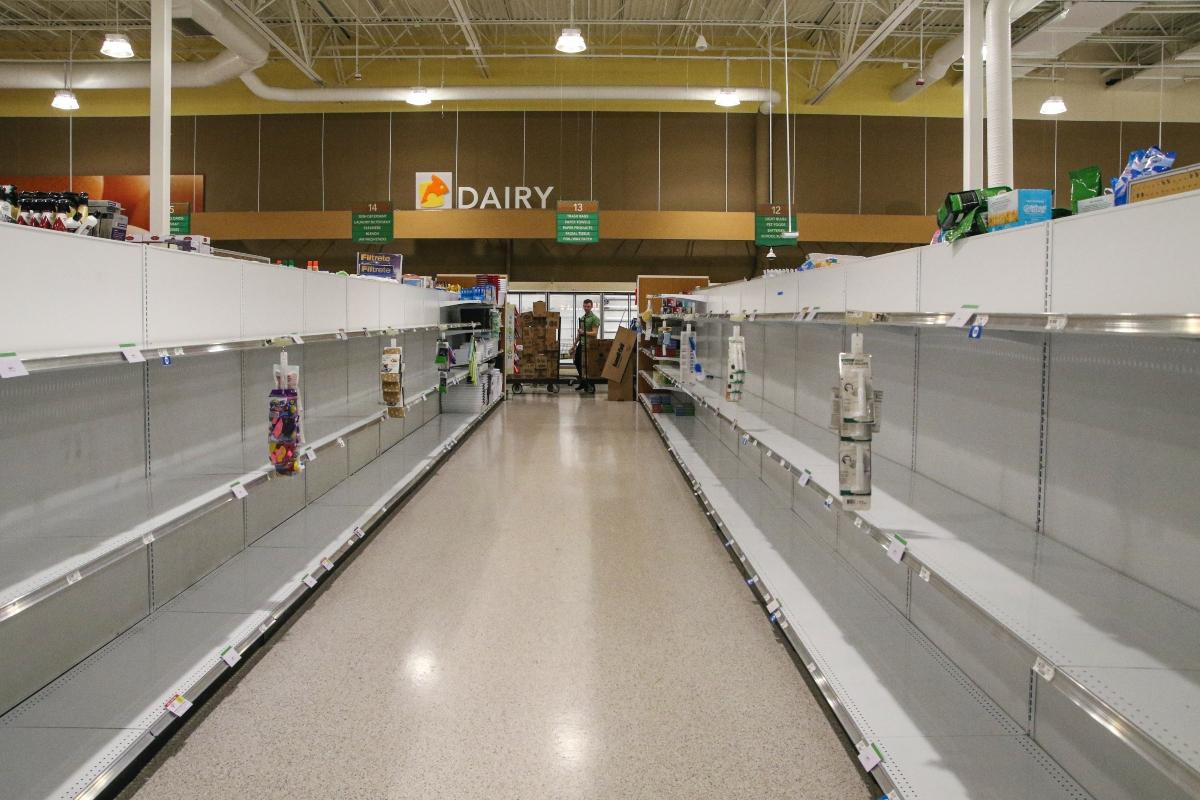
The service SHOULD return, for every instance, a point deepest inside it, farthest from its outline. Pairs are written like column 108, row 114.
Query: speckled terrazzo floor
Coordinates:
column 556, row 639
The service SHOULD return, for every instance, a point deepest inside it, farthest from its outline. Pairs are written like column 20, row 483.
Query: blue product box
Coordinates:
column 1019, row 207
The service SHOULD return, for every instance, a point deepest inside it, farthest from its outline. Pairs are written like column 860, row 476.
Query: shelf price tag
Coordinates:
column 1044, row 668
column 310, row 454
column 811, row 314
column 1056, row 322
column 178, row 705
column 131, row 353
column 961, row 317
column 11, row 366
column 896, row 549
column 147, row 538
column 829, row 502
column 924, row 574
column 297, row 338
column 858, row 522
column 358, row 533
column 804, row 478
column 327, row 564
column 309, row 581
column 870, row 757
column 341, row 442
column 230, row 655
column 74, row 577
column 238, row 490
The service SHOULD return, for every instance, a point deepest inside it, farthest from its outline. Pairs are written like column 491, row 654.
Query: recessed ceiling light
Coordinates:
column 571, row 41
column 419, row 96
column 116, row 45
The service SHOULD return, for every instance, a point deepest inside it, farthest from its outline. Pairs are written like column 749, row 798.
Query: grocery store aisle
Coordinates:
column 549, row 617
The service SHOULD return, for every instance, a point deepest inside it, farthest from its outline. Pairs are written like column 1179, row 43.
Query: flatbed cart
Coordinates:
column 517, row 382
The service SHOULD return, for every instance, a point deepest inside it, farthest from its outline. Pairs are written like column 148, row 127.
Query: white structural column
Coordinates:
column 973, row 94
column 160, row 117
column 999, row 94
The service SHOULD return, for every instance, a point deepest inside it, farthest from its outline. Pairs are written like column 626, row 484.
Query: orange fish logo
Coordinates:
column 434, row 190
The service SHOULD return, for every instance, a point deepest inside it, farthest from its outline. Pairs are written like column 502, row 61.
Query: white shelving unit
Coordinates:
column 127, row 560
column 1036, row 474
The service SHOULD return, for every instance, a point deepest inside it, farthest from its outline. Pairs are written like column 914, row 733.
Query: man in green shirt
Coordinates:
column 589, row 331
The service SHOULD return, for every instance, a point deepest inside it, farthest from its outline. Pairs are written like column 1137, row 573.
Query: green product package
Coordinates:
column 965, row 213
column 1085, row 184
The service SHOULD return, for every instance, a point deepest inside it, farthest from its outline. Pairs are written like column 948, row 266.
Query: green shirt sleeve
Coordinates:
column 590, row 322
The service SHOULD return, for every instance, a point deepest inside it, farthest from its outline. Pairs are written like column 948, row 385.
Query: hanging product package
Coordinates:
column 965, row 213
column 283, row 431
column 854, row 473
column 1141, row 162
column 736, row 374
column 391, row 380
column 1085, row 184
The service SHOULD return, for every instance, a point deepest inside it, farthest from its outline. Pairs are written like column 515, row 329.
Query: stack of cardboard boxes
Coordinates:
column 537, row 343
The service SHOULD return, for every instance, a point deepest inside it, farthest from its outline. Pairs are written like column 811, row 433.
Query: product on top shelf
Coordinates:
column 1018, row 207
column 1141, row 162
column 391, row 380
column 1086, row 183
column 283, row 419
column 965, row 213
column 9, row 207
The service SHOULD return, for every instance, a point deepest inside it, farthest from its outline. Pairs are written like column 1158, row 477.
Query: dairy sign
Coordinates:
column 435, row 191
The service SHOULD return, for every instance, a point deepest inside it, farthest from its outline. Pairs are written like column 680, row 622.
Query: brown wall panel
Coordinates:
column 1033, row 156
column 9, row 141
column 1081, row 144
column 943, row 167
column 291, row 162
column 1133, row 136
column 742, row 142
column 227, row 157
column 558, row 152
column 1184, row 139
column 490, row 149
column 893, row 165
column 112, row 146
column 182, row 151
column 627, row 161
column 826, row 163
column 356, row 159
column 35, row 146
column 693, row 162
column 420, row 143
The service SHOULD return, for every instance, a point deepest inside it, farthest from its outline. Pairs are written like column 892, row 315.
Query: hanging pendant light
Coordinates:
column 65, row 100
column 727, row 97
column 116, row 45
column 571, row 40
column 1054, row 104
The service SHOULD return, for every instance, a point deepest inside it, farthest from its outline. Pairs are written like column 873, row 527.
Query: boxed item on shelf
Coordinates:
column 1162, row 184
column 1095, row 203
column 1018, row 207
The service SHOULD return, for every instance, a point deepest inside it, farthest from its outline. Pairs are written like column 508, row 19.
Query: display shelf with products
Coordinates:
column 921, row 728
column 1033, row 468
column 101, row 715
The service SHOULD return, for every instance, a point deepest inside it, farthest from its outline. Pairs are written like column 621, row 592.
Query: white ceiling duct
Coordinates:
column 247, row 51
column 386, row 94
column 1060, row 34
column 946, row 56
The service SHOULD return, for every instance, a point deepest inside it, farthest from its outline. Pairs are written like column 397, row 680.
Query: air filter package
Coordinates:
column 391, row 380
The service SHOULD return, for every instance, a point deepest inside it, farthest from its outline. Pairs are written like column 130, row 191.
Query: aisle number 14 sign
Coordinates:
column 770, row 221
column 578, row 222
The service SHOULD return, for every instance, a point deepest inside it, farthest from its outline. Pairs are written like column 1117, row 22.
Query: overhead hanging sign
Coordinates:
column 381, row 265
column 372, row 223
column 578, row 222
column 435, row 192
column 770, row 221
column 180, row 218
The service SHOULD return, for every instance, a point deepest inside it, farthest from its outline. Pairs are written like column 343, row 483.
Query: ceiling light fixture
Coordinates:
column 418, row 96
column 771, row 253
column 65, row 100
column 571, row 41
column 1066, row 9
column 1054, row 104
column 701, row 43
column 727, row 98
column 116, row 45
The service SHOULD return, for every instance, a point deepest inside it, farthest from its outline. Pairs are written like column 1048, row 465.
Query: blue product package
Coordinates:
column 1019, row 207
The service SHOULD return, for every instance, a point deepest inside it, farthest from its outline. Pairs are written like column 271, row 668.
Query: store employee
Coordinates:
column 589, row 327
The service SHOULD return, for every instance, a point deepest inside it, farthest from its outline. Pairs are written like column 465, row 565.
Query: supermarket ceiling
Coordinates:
column 350, row 43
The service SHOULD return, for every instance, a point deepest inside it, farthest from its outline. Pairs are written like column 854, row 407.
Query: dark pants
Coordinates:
column 580, row 362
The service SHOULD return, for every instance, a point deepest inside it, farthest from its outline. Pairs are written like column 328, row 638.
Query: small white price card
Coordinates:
column 74, row 577
column 238, row 490
column 309, row 581
column 230, row 655
column 829, row 502
column 310, row 454
column 962, row 317
column 924, row 574
column 804, row 478
column 178, row 705
column 297, row 338
column 358, row 532
column 869, row 757
column 858, row 523
column 773, row 606
column 341, row 442
column 327, row 564
column 132, row 354
column 1056, row 322
column 147, row 538
column 1044, row 668
column 896, row 549
column 11, row 366
column 811, row 314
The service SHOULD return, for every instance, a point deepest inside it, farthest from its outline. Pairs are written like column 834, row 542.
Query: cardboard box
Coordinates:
column 539, row 308
column 624, row 388
column 620, row 356
column 1018, row 207
column 597, row 355
column 1096, row 203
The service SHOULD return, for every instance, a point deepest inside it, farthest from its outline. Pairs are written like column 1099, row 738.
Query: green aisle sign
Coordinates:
column 578, row 222
column 372, row 223
column 770, row 221
column 180, row 219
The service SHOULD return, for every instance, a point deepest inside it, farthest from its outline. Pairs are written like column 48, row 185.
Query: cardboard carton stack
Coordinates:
column 537, row 342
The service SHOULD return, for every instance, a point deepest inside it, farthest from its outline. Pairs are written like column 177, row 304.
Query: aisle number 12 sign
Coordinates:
column 770, row 221
column 578, row 222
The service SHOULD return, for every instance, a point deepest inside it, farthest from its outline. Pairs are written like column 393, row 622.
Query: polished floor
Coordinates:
column 578, row 633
